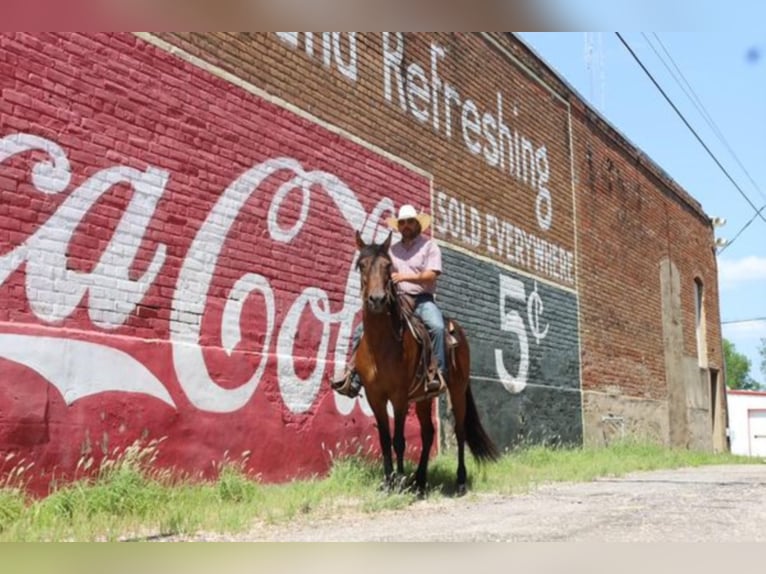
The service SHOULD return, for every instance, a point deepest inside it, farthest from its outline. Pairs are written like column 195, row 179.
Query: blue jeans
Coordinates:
column 431, row 315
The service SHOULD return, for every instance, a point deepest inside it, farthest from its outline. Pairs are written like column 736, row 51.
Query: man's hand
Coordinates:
column 399, row 277
column 422, row 277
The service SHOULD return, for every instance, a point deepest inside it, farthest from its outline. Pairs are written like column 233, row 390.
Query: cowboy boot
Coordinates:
column 434, row 380
column 433, row 386
column 350, row 383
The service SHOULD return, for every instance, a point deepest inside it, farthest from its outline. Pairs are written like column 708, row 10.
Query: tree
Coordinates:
column 738, row 367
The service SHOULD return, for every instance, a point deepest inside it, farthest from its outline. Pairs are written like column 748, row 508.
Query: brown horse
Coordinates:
column 387, row 362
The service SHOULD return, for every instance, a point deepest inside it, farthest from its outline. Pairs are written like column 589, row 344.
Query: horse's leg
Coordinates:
column 384, row 436
column 423, row 409
column 400, row 415
column 457, row 397
column 457, row 384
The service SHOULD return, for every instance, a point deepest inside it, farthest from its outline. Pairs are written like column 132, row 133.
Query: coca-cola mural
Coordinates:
column 176, row 262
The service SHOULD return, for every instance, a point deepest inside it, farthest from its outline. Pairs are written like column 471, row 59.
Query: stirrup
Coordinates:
column 436, row 385
column 452, row 341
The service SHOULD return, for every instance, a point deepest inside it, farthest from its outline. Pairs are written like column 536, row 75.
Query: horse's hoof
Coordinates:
column 461, row 490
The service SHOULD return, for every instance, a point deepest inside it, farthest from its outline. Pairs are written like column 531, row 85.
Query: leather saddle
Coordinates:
column 428, row 368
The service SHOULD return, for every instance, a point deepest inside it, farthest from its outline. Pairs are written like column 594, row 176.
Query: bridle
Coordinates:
column 391, row 297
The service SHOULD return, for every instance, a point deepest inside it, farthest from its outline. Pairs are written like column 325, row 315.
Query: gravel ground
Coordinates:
column 705, row 504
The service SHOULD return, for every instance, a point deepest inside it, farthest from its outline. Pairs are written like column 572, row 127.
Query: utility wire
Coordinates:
column 710, row 122
column 733, row 239
column 686, row 87
column 699, row 105
column 708, row 118
column 753, row 320
column 691, row 129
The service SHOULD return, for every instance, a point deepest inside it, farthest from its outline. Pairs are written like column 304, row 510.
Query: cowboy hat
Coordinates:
column 409, row 212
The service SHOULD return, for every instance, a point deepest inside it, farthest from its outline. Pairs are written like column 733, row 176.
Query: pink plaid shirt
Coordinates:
column 422, row 254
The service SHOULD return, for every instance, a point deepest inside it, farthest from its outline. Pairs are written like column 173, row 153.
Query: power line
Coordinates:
column 733, row 239
column 695, row 99
column 753, row 320
column 686, row 86
column 691, row 129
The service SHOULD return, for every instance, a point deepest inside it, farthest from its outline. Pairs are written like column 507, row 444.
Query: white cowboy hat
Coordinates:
column 409, row 212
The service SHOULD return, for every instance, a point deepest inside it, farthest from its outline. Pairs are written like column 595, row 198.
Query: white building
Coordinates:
column 747, row 422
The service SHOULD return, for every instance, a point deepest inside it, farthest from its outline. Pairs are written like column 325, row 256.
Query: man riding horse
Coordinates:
column 416, row 265
column 391, row 358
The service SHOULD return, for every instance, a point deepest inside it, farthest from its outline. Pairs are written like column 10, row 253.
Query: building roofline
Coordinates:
column 746, row 392
column 632, row 150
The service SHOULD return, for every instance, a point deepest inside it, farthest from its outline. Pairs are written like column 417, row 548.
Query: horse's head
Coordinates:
column 374, row 266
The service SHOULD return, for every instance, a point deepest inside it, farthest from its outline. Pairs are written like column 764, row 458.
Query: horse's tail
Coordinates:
column 482, row 447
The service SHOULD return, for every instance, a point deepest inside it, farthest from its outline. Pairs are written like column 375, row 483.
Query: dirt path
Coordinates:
column 707, row 504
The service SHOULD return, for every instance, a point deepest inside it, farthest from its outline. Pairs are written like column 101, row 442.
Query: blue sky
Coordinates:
column 726, row 73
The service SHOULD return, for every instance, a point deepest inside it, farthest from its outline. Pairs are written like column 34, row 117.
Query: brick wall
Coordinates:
column 179, row 213
column 632, row 218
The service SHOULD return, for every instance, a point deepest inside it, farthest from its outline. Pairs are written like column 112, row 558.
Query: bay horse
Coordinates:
column 387, row 362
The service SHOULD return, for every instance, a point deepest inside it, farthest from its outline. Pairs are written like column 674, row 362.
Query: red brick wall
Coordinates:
column 630, row 218
column 176, row 255
column 630, row 215
column 175, row 271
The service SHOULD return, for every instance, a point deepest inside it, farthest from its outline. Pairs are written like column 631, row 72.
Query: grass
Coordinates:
column 129, row 498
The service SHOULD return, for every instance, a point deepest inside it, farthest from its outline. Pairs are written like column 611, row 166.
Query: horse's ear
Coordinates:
column 359, row 241
column 387, row 242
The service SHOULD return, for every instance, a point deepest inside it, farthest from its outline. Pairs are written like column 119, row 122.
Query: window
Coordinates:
column 699, row 322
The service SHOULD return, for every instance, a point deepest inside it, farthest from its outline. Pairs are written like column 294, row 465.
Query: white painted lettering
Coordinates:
column 491, row 150
column 471, row 126
column 418, row 95
column 475, row 237
column 440, row 221
column 491, row 233
column 451, row 96
column 347, row 65
column 504, row 135
column 54, row 292
column 511, row 322
column 392, row 67
column 544, row 202
column 453, row 217
column 437, row 52
column 290, row 38
column 472, row 228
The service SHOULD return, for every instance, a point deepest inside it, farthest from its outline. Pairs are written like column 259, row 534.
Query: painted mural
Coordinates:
column 525, row 355
column 205, row 299
column 177, row 260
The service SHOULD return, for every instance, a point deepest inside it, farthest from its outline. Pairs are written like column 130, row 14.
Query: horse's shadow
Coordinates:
column 441, row 480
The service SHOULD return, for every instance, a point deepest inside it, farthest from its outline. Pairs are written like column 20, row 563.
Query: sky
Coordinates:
column 717, row 80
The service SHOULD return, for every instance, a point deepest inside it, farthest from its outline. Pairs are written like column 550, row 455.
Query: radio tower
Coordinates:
column 594, row 63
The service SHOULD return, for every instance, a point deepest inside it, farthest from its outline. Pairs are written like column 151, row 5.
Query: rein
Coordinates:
column 395, row 310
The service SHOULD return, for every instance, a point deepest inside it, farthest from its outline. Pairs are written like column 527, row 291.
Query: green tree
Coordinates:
column 738, row 367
